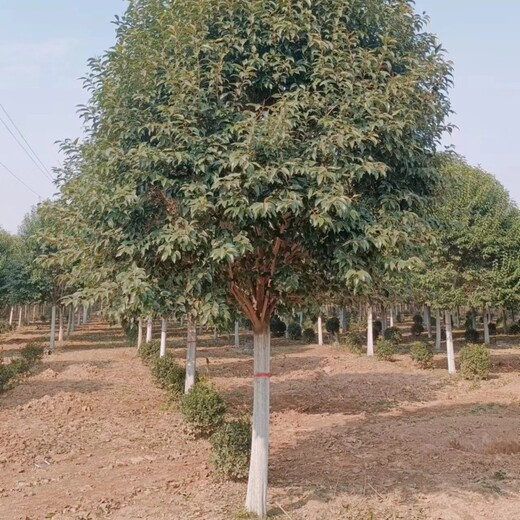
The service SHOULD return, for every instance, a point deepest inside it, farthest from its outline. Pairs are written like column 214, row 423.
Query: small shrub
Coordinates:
column 332, row 325
column 417, row 318
column 416, row 329
column 475, row 362
column 231, row 449
column 6, row 375
column 278, row 327
column 294, row 330
column 393, row 334
column 492, row 329
column 203, row 409
column 168, row 374
column 19, row 366
column 5, row 327
column 32, row 354
column 150, row 350
column 471, row 335
column 514, row 329
column 130, row 330
column 353, row 342
column 422, row 354
column 309, row 336
column 385, row 350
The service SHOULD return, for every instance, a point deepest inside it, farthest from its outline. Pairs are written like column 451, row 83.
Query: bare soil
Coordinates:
column 88, row 436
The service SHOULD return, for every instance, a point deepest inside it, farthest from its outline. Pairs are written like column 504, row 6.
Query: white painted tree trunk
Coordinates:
column 149, row 325
column 70, row 321
column 487, row 339
column 320, row 330
column 60, row 330
column 139, row 332
column 237, row 334
column 52, row 342
column 392, row 316
column 164, row 330
column 20, row 316
column 343, row 320
column 34, row 310
column 11, row 315
column 449, row 343
column 256, row 499
column 370, row 330
column 438, row 330
column 191, row 356
column 428, row 322
column 79, row 318
column 301, row 320
column 85, row 314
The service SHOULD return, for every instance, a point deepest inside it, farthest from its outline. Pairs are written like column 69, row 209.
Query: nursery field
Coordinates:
column 88, row 436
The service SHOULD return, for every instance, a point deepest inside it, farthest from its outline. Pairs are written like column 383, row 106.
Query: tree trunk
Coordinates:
column 52, row 343
column 11, row 314
column 383, row 320
column 301, row 320
column 60, row 330
column 392, row 316
column 26, row 313
column 20, row 316
column 149, row 325
column 438, row 330
column 449, row 343
column 370, row 330
column 427, row 314
column 487, row 339
column 343, row 320
column 506, row 326
column 139, row 332
column 164, row 329
column 473, row 319
column 320, row 331
column 79, row 317
column 237, row 334
column 34, row 309
column 457, row 318
column 70, row 321
column 256, row 500
column 85, row 314
column 191, row 356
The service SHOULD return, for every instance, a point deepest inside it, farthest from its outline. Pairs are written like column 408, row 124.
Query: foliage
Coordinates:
column 5, row 327
column 149, row 350
column 19, row 366
column 471, row 335
column 309, row 336
column 514, row 329
column 332, row 325
column 393, row 334
column 422, row 354
column 378, row 325
column 385, row 350
column 278, row 327
column 294, row 331
column 231, row 449
column 32, row 353
column 353, row 342
column 492, row 329
column 418, row 319
column 6, row 375
column 417, row 329
column 168, row 374
column 475, row 362
column 203, row 409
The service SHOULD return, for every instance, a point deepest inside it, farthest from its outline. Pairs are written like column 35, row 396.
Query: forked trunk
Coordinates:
column 256, row 500
column 320, row 330
column 164, row 329
column 139, row 332
column 438, row 330
column 52, row 343
column 191, row 356
column 237, row 334
column 449, row 343
column 149, row 324
column 487, row 339
column 370, row 330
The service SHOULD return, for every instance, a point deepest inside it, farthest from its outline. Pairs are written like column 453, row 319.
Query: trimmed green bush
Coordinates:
column 393, row 334
column 309, row 336
column 150, row 350
column 32, row 354
column 422, row 354
column 5, row 327
column 203, row 409
column 6, row 375
column 475, row 362
column 353, row 342
column 471, row 335
column 417, row 329
column 231, row 449
column 19, row 366
column 278, row 327
column 295, row 331
column 168, row 374
column 332, row 325
column 385, row 350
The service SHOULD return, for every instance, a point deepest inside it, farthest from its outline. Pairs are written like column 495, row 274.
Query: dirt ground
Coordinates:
column 88, row 436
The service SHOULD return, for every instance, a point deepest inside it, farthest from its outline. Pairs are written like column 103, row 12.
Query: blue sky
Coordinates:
column 45, row 44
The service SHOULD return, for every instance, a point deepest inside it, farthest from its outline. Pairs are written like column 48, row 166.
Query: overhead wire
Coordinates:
column 20, row 180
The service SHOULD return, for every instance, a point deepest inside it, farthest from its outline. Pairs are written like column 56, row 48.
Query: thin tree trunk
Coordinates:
column 449, row 343
column 60, row 330
column 473, row 319
column 164, row 330
column 34, row 309
column 301, row 320
column 149, row 325
column 139, row 332
column 19, row 316
column 256, row 500
column 79, row 317
column 438, row 330
column 506, row 325
column 370, row 330
column 11, row 314
column 52, row 343
column 85, row 314
column 457, row 318
column 427, row 313
column 392, row 316
column 320, row 330
column 70, row 321
column 343, row 320
column 191, row 356
column 383, row 320
column 237, row 334
column 487, row 339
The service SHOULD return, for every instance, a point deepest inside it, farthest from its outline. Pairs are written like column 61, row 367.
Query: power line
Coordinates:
column 25, row 140
column 25, row 149
column 19, row 180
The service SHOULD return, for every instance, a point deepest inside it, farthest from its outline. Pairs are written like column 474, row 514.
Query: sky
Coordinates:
column 45, row 45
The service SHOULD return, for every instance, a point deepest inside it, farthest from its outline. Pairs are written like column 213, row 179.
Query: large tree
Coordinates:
column 288, row 143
